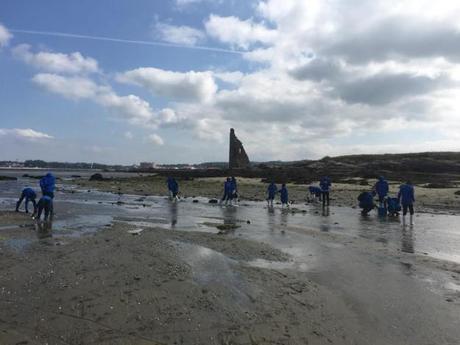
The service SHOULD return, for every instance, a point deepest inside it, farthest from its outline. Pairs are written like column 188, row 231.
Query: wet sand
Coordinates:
column 161, row 273
column 115, row 287
column 438, row 200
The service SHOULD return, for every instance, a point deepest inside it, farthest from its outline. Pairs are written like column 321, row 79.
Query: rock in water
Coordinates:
column 96, row 177
column 237, row 156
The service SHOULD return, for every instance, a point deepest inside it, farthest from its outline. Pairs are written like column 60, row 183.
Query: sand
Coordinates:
column 115, row 287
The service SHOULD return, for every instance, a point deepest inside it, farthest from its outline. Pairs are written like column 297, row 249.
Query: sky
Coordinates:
column 116, row 81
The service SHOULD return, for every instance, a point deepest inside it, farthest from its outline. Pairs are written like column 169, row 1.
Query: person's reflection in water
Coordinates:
column 229, row 214
column 173, row 214
column 325, row 211
column 407, row 240
column 284, row 219
column 44, row 229
column 271, row 218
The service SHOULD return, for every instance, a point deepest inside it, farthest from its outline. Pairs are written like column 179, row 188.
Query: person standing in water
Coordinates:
column 271, row 191
column 29, row 195
column 48, row 185
column 381, row 188
column 173, row 188
column 234, row 193
column 406, row 196
column 284, row 196
column 228, row 189
column 325, row 184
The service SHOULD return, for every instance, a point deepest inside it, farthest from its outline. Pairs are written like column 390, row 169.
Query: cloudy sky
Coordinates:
column 118, row 81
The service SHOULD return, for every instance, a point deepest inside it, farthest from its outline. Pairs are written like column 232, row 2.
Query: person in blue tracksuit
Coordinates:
column 366, row 202
column 173, row 188
column 325, row 184
column 315, row 191
column 284, row 196
column 48, row 185
column 29, row 195
column 271, row 192
column 228, row 190
column 45, row 205
column 234, row 193
column 381, row 188
column 406, row 196
column 393, row 206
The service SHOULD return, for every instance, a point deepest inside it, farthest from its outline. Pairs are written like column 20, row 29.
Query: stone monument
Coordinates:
column 238, row 158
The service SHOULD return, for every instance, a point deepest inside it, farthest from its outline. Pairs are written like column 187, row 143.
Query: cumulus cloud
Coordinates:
column 5, row 36
column 155, row 139
column 188, row 86
column 178, row 34
column 238, row 33
column 73, row 63
column 131, row 107
column 26, row 134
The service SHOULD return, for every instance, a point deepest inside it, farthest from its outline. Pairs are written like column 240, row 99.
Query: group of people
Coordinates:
column 387, row 204
column 45, row 203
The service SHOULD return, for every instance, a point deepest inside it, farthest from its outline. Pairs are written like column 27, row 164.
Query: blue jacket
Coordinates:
column 228, row 187
column 173, row 186
column 284, row 195
column 272, row 189
column 314, row 190
column 234, row 186
column 48, row 183
column 366, row 200
column 393, row 205
column 29, row 193
column 325, row 183
column 381, row 187
column 406, row 194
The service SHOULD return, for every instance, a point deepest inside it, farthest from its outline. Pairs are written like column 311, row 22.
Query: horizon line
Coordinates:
column 122, row 40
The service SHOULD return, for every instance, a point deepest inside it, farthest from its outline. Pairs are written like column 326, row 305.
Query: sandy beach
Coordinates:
column 130, row 267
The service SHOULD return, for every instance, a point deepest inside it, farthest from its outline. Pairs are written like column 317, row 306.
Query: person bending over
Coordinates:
column 29, row 195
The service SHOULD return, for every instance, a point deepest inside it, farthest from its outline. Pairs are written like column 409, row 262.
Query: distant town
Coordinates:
column 142, row 166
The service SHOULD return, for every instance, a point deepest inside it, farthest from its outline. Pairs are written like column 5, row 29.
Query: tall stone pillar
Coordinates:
column 237, row 158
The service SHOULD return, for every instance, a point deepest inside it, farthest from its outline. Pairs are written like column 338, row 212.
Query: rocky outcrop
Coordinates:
column 238, row 158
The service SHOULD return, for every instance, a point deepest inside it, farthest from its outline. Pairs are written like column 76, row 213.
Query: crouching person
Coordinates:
column 393, row 207
column 45, row 205
column 366, row 202
column 29, row 195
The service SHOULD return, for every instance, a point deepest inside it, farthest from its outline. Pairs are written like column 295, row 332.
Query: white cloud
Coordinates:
column 27, row 134
column 237, row 32
column 5, row 36
column 128, row 135
column 155, row 139
column 178, row 34
column 188, row 86
column 131, row 107
column 73, row 63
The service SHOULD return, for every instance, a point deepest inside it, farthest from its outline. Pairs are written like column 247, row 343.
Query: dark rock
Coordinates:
column 213, row 201
column 195, row 201
column 96, row 177
column 8, row 178
column 237, row 155
column 75, row 176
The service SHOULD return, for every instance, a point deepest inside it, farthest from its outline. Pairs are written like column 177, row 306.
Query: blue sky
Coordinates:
column 296, row 79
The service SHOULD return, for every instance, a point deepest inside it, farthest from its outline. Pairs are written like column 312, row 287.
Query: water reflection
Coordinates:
column 407, row 240
column 44, row 229
column 173, row 213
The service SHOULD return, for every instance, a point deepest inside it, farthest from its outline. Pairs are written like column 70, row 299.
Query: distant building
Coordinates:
column 147, row 165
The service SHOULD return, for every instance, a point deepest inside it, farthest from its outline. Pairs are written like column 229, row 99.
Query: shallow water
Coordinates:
column 402, row 301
